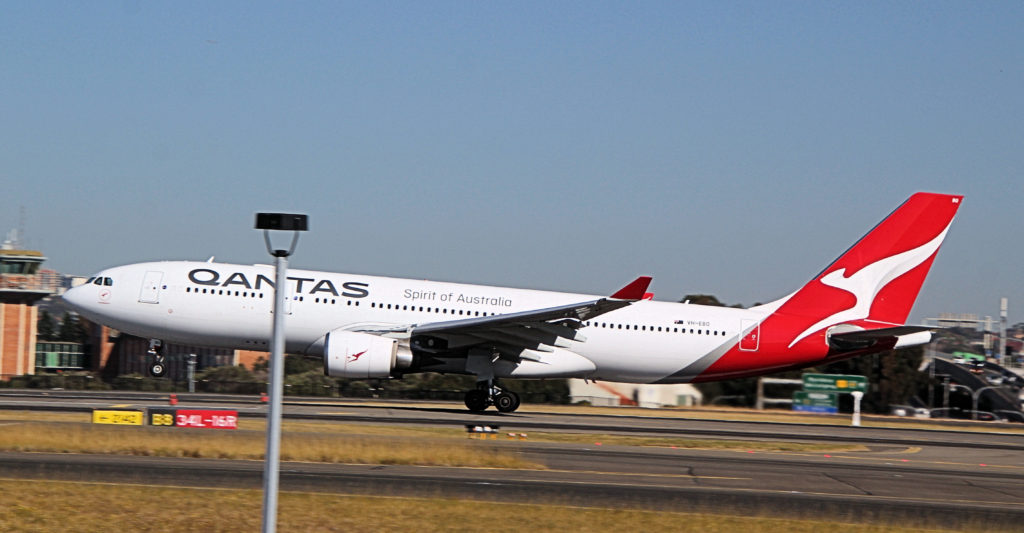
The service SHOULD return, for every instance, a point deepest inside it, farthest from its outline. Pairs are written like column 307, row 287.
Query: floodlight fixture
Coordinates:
column 281, row 222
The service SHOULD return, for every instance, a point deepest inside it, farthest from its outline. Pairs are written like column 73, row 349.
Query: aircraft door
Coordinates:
column 150, row 293
column 751, row 331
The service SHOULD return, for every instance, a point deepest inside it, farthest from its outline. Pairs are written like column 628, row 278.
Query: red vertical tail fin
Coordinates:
column 869, row 290
column 879, row 277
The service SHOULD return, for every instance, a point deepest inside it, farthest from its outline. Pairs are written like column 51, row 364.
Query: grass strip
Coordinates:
column 333, row 442
column 241, row 444
column 34, row 505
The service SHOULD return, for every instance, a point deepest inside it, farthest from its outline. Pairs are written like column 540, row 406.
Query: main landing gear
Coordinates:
column 159, row 367
column 487, row 394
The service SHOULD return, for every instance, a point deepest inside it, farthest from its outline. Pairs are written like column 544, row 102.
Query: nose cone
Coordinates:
column 83, row 300
column 74, row 297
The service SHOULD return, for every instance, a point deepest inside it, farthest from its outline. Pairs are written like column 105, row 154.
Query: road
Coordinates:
column 942, row 477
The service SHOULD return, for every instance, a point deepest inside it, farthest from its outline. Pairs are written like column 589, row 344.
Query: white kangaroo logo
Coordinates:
column 867, row 282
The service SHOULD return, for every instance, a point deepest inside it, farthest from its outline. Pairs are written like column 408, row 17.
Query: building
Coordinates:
column 113, row 353
column 606, row 393
column 22, row 285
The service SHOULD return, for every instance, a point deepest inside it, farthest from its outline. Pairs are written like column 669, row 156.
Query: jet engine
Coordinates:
column 348, row 354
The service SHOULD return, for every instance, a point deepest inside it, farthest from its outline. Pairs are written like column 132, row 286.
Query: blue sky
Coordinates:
column 731, row 148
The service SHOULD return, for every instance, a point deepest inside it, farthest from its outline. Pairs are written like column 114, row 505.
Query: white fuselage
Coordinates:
column 227, row 305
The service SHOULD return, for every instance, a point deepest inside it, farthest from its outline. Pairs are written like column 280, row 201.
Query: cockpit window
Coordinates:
column 88, row 281
column 99, row 281
column 109, row 282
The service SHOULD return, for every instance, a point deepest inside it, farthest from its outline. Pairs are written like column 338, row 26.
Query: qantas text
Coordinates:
column 351, row 289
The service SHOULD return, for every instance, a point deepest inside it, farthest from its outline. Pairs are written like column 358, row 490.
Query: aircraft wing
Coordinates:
column 510, row 334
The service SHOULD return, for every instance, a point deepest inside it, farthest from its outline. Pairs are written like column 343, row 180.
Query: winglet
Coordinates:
column 633, row 291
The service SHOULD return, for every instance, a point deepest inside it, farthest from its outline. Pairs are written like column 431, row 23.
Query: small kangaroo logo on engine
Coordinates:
column 355, row 357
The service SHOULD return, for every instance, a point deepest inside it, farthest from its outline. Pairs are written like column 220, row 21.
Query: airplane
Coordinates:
column 379, row 327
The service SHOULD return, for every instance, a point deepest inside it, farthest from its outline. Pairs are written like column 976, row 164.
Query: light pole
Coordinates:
column 191, row 362
column 272, row 459
column 975, row 396
column 857, row 395
column 955, row 386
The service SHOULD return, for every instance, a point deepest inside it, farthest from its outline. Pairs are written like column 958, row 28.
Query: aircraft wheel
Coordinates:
column 158, row 369
column 506, row 402
column 476, row 400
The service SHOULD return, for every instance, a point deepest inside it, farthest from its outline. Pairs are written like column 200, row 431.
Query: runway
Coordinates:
column 940, row 477
column 610, row 421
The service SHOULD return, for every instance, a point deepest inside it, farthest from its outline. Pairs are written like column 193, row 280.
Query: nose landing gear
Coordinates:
column 158, row 368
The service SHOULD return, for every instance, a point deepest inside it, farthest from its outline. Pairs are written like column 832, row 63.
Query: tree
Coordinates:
column 72, row 329
column 702, row 299
column 893, row 378
column 46, row 328
column 707, row 299
column 231, row 379
column 298, row 364
column 739, row 392
column 226, row 373
column 310, row 383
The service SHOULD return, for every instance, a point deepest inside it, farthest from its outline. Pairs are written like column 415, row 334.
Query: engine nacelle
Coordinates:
column 348, row 354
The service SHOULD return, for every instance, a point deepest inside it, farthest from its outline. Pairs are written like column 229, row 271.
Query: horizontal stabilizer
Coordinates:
column 901, row 336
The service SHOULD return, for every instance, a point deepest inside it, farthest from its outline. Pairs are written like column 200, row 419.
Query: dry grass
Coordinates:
column 337, row 442
column 31, row 505
column 43, row 416
column 737, row 414
column 731, row 414
column 697, row 444
column 241, row 444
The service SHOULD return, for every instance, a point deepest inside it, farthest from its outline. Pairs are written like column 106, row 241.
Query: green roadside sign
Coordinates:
column 816, row 402
column 835, row 383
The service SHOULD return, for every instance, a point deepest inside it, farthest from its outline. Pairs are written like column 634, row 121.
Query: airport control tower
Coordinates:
column 22, row 284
